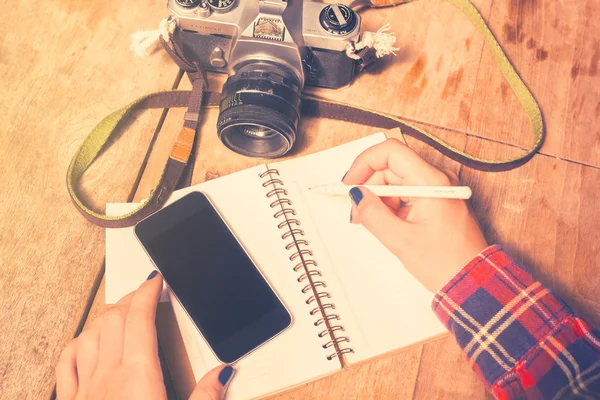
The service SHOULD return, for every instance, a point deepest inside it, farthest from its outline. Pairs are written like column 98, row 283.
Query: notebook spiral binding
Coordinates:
column 323, row 306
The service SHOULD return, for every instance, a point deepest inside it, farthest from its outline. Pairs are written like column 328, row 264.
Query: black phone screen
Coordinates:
column 212, row 276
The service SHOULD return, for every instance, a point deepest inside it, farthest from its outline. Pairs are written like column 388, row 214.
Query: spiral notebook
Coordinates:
column 349, row 297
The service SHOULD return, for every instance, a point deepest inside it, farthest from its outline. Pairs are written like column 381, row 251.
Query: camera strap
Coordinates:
column 194, row 99
column 197, row 99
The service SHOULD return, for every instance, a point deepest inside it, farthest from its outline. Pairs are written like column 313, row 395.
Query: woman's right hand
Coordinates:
column 434, row 238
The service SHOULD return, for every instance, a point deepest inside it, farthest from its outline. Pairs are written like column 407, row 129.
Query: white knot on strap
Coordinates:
column 144, row 41
column 381, row 41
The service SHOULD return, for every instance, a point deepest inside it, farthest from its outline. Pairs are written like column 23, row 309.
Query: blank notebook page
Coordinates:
column 382, row 306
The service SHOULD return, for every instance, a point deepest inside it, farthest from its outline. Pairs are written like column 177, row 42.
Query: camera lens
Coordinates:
column 259, row 110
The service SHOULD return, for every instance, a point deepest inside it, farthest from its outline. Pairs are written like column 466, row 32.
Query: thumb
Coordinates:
column 379, row 219
column 213, row 385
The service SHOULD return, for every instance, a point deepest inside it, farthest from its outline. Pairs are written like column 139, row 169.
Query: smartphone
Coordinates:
column 212, row 276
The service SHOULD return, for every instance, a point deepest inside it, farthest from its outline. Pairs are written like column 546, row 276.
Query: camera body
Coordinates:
column 270, row 50
column 309, row 38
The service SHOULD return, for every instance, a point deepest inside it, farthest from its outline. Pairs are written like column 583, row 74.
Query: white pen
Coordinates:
column 440, row 192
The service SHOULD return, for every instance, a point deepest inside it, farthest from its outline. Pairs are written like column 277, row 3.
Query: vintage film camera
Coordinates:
column 270, row 49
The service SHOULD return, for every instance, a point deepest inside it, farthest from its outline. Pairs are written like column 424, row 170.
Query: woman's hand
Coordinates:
column 116, row 356
column 434, row 238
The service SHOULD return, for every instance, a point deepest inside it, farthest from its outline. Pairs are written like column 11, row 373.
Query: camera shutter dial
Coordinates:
column 338, row 19
column 188, row 3
column 221, row 6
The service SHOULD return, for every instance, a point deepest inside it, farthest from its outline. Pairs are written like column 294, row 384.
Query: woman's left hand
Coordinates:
column 116, row 356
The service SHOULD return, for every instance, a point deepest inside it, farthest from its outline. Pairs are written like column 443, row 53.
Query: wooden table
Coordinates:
column 64, row 65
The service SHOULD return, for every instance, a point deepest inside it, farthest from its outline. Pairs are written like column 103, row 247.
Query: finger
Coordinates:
column 381, row 178
column 126, row 300
column 393, row 203
column 454, row 181
column 97, row 322
column 112, row 328
column 87, row 355
column 378, row 178
column 140, row 330
column 399, row 159
column 378, row 218
column 385, row 177
column 111, row 338
column 94, row 324
column 354, row 217
column 214, row 384
column 392, row 179
column 404, row 212
column 66, row 372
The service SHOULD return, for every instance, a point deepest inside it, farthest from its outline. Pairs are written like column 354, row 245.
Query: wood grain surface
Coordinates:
column 555, row 46
column 63, row 66
column 66, row 64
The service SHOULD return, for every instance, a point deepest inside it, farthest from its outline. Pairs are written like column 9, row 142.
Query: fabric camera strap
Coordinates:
column 197, row 99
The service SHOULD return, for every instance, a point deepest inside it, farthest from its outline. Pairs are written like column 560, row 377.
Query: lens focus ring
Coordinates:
column 259, row 111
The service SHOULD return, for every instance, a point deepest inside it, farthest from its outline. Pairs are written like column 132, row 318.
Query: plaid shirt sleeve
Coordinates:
column 522, row 341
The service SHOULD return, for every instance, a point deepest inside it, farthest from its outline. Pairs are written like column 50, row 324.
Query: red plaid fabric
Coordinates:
column 523, row 341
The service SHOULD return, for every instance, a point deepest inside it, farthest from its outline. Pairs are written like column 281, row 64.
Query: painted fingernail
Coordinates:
column 355, row 195
column 350, row 215
column 225, row 375
column 345, row 175
column 152, row 275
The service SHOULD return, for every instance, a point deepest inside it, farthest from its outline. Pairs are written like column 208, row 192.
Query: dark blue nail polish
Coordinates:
column 355, row 195
column 345, row 175
column 225, row 375
column 350, row 215
column 152, row 275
